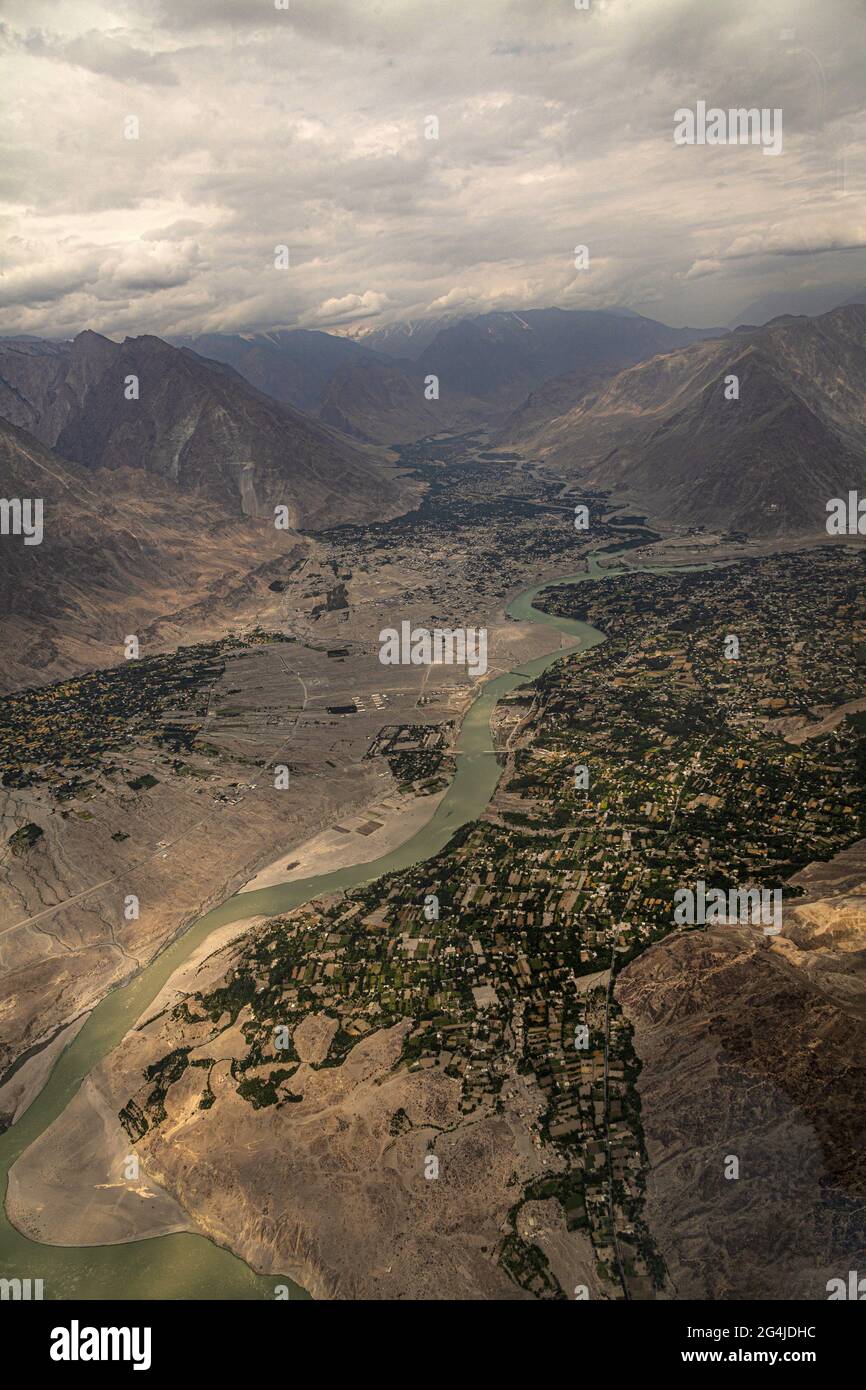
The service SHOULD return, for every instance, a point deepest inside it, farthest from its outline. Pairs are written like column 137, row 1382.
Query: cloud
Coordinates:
column 307, row 127
column 42, row 274
column 177, row 231
column 348, row 309
column 806, row 237
column 700, row 268
column 104, row 53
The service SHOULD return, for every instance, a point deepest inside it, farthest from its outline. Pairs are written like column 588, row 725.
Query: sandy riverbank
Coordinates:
column 380, row 828
column 90, row 1198
column 24, row 1085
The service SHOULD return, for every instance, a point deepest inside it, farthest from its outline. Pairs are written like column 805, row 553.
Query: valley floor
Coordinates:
column 559, row 1165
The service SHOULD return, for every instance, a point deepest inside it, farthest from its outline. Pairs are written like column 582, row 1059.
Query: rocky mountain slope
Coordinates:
column 119, row 551
column 372, row 385
column 405, row 339
column 383, row 404
column 767, row 461
column 501, row 357
column 143, row 404
column 371, row 396
column 753, row 1050
column 293, row 366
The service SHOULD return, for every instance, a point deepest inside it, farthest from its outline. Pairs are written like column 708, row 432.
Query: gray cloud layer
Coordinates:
column 261, row 126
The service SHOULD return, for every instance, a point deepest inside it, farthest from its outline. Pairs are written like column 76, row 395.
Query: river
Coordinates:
column 185, row 1266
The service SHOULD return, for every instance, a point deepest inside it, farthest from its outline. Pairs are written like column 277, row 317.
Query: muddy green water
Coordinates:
column 190, row 1266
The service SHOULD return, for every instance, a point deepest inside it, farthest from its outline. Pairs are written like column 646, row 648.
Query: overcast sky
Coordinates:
column 261, row 127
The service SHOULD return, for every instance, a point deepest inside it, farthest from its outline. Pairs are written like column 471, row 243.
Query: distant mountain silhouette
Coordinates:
column 373, row 386
column 499, row 358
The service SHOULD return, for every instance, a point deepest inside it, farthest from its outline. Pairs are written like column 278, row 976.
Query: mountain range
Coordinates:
column 671, row 433
column 121, row 550
column 373, row 387
column 159, row 473
column 158, row 462
column 145, row 404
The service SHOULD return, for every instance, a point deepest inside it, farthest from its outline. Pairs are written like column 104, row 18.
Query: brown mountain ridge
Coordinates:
column 666, row 433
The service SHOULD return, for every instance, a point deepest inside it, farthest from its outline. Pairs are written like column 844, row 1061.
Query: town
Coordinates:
column 503, row 950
